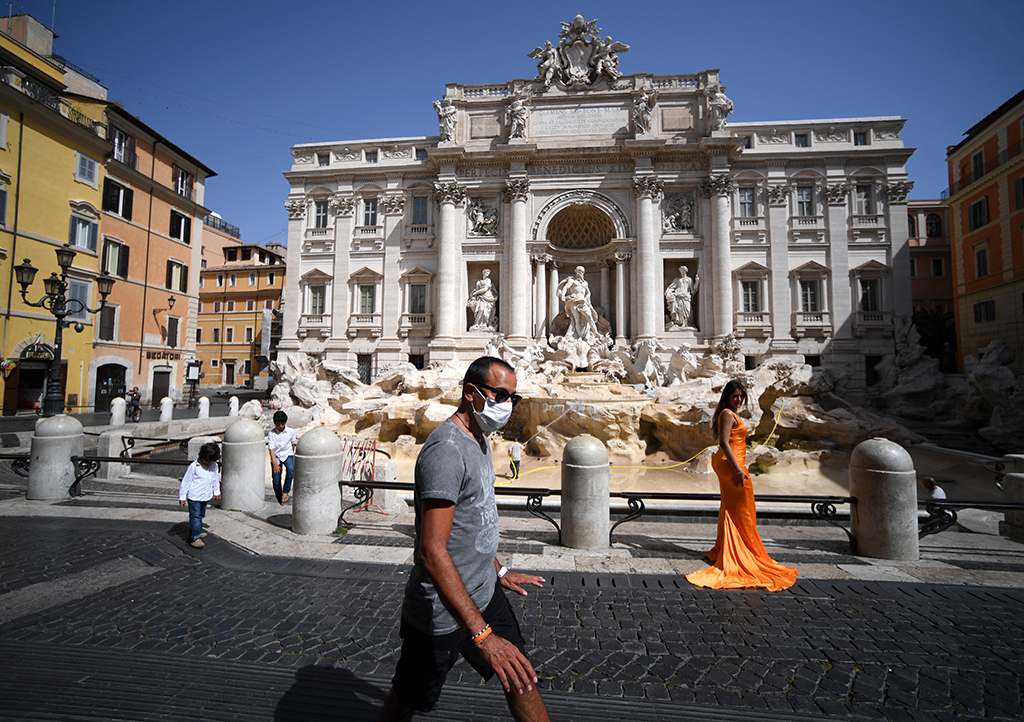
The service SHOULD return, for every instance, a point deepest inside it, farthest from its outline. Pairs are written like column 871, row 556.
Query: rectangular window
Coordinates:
column 215, row 362
column 747, row 207
column 371, row 156
column 247, row 254
column 323, row 159
column 417, row 298
column 805, row 201
column 115, row 259
column 107, row 316
column 977, row 214
column 232, row 280
column 82, row 233
column 183, row 182
column 177, row 277
column 229, row 334
column 981, row 262
column 913, row 267
column 747, row 142
column 78, row 292
column 270, row 278
column 977, row 165
column 809, row 296
column 864, row 198
column 247, row 367
column 220, row 280
column 800, row 140
column 320, row 217
column 117, row 199
column 231, row 255
column 250, row 305
column 269, row 303
column 367, row 298
column 252, row 279
column 1018, row 192
column 421, row 154
column 199, row 335
column 124, row 147
column 248, row 334
column 172, row 332
column 985, row 311
column 419, row 210
column 751, row 296
column 231, row 307
column 317, row 297
column 216, row 335
column 938, row 268
column 3, row 207
column 870, row 300
column 369, row 211
column 181, row 227
column 216, row 306
column 860, row 137
column 85, row 169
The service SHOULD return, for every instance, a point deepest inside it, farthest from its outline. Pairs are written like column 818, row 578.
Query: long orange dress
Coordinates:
column 739, row 556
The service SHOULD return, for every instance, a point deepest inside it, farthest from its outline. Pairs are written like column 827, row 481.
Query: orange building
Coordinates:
column 240, row 300
column 986, row 209
column 931, row 279
column 151, row 242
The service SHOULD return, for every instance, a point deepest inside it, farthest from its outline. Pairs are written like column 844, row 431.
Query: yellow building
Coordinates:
column 52, row 147
column 240, row 291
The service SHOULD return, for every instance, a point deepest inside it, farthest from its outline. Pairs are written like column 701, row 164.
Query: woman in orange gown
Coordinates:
column 739, row 558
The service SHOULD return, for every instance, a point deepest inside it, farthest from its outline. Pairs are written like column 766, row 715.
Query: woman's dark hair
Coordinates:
column 209, row 453
column 723, row 403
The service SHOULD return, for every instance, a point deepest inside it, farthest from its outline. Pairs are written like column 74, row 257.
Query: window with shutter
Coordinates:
column 172, row 332
column 107, row 316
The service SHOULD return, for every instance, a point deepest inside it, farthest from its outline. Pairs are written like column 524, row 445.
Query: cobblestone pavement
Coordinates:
column 650, row 647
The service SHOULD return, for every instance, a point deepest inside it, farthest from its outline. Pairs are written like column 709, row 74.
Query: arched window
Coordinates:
column 934, row 225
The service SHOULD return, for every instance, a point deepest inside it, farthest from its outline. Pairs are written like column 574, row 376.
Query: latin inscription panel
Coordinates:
column 587, row 120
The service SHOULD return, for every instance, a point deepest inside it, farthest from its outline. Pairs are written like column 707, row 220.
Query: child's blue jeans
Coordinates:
column 196, row 512
column 289, row 468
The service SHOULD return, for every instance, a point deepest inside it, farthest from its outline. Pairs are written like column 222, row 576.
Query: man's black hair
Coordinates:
column 280, row 417
column 479, row 369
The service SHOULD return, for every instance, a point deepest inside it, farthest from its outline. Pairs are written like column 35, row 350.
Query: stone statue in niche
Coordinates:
column 580, row 334
column 719, row 106
column 515, row 118
column 574, row 292
column 483, row 220
column 679, row 299
column 677, row 214
column 642, row 109
column 483, row 303
column 446, row 114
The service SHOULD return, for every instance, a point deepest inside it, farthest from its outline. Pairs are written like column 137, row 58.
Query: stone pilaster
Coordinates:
column 516, row 193
column 621, row 296
column 718, row 188
column 541, row 286
column 647, row 189
column 448, row 195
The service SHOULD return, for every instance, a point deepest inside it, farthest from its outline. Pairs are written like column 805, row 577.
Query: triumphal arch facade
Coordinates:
column 688, row 227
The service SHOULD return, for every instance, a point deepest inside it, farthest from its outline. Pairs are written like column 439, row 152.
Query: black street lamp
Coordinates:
column 56, row 302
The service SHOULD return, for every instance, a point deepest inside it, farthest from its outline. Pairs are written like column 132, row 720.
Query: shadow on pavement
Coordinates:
column 327, row 694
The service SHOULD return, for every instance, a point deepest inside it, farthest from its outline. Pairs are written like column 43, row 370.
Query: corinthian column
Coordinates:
column 516, row 192
column 541, row 308
column 621, row 296
column 448, row 195
column 647, row 189
column 718, row 188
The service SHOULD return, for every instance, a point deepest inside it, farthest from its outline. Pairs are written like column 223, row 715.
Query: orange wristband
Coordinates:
column 482, row 636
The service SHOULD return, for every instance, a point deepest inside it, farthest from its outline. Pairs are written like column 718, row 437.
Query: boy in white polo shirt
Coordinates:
column 200, row 483
column 281, row 442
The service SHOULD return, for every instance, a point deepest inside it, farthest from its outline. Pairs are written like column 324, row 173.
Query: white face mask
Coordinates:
column 494, row 416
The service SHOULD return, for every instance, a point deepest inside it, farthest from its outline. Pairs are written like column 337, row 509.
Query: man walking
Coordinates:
column 515, row 457
column 454, row 603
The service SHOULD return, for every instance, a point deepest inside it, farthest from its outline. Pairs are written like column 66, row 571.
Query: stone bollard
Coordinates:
column 233, row 406
column 243, row 479
column 204, row 407
column 166, row 408
column 884, row 517
column 585, row 494
column 316, row 499
column 110, row 444
column 1013, row 490
column 54, row 442
column 196, row 443
column 117, row 409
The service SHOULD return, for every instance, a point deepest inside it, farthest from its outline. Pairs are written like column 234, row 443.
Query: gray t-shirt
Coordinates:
column 454, row 466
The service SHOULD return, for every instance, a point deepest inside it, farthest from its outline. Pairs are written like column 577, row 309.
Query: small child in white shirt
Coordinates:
column 281, row 442
column 200, row 483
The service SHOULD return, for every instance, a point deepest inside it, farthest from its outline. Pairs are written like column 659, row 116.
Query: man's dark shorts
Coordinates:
column 426, row 660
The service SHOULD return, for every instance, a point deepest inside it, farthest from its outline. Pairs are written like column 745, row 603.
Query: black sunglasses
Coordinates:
column 501, row 395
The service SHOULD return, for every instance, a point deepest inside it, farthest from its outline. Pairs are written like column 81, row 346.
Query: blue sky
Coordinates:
column 237, row 83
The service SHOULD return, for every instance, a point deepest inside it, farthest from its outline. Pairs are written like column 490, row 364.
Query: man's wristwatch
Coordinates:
column 502, row 572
